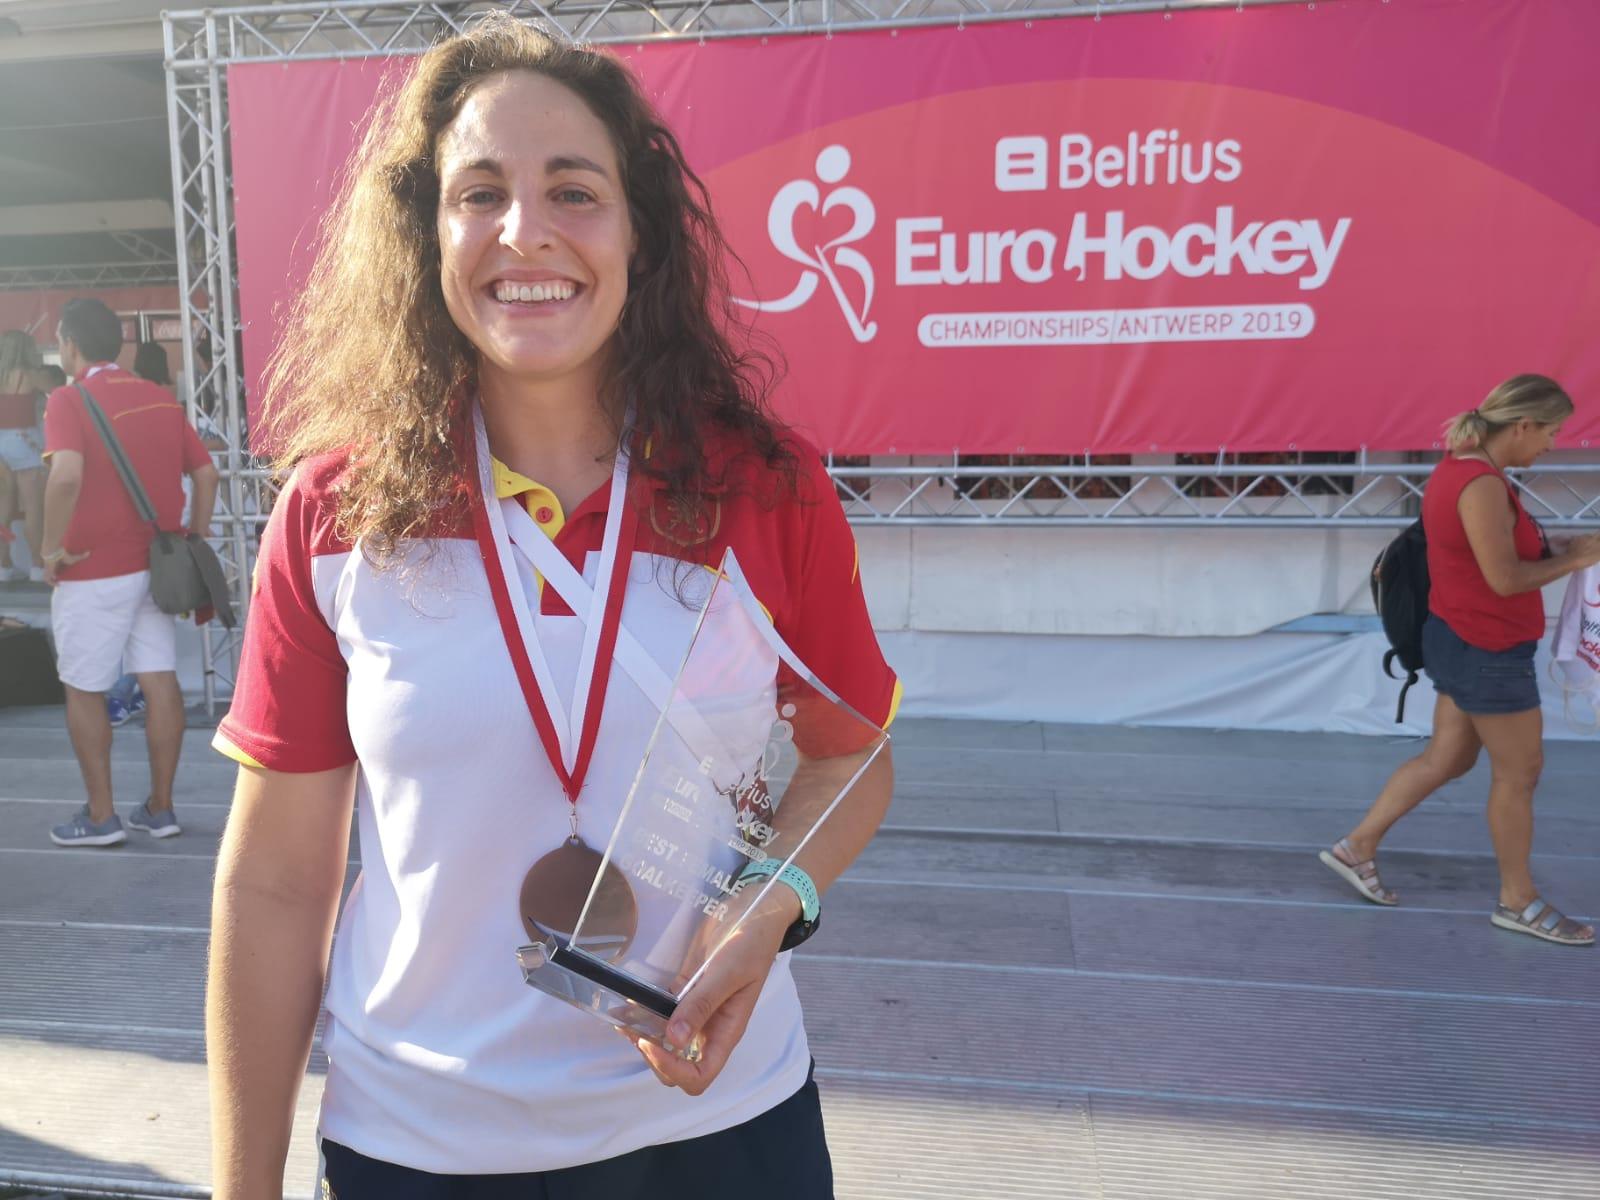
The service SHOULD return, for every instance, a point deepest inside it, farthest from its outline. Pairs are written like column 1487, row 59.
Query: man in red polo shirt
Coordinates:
column 96, row 554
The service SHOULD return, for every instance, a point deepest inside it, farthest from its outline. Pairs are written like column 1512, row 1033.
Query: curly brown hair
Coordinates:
column 371, row 363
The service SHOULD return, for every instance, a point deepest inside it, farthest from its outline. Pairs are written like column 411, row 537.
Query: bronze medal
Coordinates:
column 554, row 892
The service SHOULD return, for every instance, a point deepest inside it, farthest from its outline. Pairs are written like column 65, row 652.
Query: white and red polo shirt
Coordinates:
column 440, row 1057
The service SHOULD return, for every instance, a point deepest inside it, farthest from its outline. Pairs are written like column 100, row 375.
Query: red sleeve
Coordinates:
column 827, row 624
column 195, row 454
column 63, row 421
column 288, row 710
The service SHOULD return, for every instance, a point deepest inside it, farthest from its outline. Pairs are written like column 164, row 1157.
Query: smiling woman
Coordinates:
column 517, row 430
column 535, row 244
column 509, row 159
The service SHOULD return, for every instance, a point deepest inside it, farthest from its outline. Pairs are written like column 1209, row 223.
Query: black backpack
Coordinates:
column 1400, row 594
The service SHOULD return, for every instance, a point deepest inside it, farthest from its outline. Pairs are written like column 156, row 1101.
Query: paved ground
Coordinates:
column 1080, row 962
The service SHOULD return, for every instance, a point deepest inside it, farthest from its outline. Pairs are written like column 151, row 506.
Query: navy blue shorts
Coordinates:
column 1485, row 682
column 779, row 1155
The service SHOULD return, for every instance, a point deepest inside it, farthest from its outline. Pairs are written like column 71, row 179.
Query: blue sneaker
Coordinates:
column 156, row 824
column 121, row 710
column 81, row 831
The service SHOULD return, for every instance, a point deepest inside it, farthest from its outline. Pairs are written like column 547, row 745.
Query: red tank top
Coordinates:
column 1459, row 595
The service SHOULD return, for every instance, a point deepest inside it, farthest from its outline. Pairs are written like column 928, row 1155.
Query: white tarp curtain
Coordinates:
column 1292, row 682
column 1295, row 682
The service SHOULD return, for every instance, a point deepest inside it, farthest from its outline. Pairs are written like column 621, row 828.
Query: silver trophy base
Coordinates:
column 594, row 986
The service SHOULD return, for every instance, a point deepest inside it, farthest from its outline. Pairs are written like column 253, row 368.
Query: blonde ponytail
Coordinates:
column 1466, row 431
column 1536, row 398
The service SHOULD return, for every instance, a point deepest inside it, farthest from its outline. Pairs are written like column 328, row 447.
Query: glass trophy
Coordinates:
column 751, row 755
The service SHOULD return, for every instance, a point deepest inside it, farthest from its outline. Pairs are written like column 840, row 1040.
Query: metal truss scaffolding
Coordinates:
column 202, row 44
column 88, row 275
column 1293, row 493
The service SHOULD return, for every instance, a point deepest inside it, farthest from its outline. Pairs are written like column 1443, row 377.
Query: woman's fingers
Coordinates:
column 713, row 1017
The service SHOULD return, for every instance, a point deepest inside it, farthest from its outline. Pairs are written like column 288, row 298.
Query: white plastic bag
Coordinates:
column 1575, row 653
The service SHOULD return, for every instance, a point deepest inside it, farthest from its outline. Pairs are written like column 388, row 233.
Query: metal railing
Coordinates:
column 1175, row 495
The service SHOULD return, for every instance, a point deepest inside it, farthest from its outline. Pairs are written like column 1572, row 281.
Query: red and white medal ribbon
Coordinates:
column 568, row 742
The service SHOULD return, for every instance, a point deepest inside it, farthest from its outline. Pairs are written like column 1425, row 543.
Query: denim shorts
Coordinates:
column 1486, row 682
column 19, row 450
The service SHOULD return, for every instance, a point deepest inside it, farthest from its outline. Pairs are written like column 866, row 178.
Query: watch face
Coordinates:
column 799, row 932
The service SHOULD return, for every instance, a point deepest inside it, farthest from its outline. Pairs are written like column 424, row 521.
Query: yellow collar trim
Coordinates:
column 509, row 484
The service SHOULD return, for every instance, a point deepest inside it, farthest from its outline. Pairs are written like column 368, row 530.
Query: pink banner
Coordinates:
column 1294, row 227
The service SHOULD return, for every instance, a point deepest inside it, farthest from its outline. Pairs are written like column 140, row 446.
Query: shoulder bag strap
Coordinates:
column 1520, row 510
column 119, row 457
column 1511, row 488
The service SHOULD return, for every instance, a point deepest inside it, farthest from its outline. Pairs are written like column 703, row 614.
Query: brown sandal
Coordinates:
column 1363, row 876
column 1542, row 919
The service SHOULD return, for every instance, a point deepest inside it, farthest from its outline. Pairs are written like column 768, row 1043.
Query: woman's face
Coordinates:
column 534, row 234
column 1534, row 441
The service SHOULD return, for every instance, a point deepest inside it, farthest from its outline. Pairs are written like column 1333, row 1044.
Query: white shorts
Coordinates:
column 106, row 626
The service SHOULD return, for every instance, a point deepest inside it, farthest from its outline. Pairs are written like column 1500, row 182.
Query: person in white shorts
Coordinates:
column 96, row 554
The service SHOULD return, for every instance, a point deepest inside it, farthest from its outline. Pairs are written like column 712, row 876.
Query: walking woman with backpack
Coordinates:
column 1487, row 561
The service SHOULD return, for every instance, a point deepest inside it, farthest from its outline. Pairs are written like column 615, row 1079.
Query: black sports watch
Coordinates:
column 806, row 891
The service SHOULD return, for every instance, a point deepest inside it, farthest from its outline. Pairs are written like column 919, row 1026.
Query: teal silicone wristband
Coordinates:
column 798, row 881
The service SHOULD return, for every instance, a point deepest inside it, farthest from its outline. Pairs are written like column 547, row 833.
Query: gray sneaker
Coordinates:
column 156, row 824
column 81, row 831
